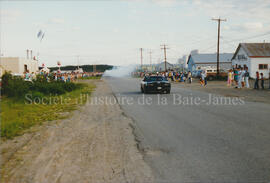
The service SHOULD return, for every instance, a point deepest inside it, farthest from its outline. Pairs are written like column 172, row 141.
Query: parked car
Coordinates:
column 211, row 74
column 155, row 84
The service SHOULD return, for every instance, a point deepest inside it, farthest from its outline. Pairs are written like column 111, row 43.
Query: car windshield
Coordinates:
column 154, row 78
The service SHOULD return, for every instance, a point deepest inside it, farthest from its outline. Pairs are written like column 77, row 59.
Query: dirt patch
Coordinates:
column 94, row 145
column 221, row 88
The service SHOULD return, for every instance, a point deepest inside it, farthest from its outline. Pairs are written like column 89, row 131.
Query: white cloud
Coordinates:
column 253, row 26
column 56, row 21
column 10, row 15
column 165, row 3
column 115, row 30
column 247, row 27
column 254, row 9
column 76, row 28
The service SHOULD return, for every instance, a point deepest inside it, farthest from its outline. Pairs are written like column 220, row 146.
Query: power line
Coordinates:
column 250, row 37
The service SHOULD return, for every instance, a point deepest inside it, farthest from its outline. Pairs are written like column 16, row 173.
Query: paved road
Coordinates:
column 205, row 142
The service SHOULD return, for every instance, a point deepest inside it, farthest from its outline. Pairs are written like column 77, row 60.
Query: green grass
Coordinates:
column 18, row 115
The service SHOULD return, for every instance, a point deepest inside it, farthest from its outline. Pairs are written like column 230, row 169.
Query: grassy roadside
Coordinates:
column 19, row 115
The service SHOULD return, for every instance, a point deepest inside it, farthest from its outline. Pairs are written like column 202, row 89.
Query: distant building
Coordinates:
column 183, row 62
column 148, row 67
column 17, row 65
column 161, row 66
column 255, row 56
column 198, row 61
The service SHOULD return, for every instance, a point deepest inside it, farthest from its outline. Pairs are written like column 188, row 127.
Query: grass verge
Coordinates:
column 19, row 115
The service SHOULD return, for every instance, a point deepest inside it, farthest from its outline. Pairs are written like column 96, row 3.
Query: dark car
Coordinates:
column 155, row 84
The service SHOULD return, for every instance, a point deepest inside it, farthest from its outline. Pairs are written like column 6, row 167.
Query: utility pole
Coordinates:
column 218, row 20
column 141, row 59
column 165, row 55
column 150, row 54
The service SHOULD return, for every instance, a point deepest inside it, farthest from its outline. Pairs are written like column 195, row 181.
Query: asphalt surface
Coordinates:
column 198, row 142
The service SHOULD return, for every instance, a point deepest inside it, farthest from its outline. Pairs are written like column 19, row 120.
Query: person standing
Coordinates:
column 269, row 80
column 189, row 77
column 243, row 72
column 229, row 81
column 262, row 81
column 204, row 78
column 27, row 76
column 240, row 76
column 256, row 84
column 181, row 77
column 246, row 77
column 236, row 75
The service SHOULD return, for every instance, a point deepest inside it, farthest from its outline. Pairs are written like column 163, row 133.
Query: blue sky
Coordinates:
column 111, row 32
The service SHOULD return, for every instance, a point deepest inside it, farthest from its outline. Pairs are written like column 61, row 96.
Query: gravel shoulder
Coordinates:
column 95, row 145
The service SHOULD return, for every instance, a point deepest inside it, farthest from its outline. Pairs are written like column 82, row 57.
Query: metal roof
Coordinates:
column 163, row 63
column 255, row 49
column 211, row 57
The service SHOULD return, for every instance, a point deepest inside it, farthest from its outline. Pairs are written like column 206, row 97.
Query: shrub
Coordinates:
column 5, row 79
column 40, row 87
column 56, row 88
column 70, row 86
column 17, row 87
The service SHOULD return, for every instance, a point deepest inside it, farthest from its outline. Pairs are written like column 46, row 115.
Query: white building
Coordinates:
column 255, row 56
column 17, row 65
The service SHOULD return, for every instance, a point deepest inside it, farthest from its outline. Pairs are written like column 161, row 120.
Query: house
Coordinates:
column 161, row 66
column 198, row 61
column 255, row 56
column 17, row 65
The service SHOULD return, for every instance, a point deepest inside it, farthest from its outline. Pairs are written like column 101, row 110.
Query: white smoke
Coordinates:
column 120, row 71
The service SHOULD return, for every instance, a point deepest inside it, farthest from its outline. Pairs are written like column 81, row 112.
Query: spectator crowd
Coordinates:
column 58, row 76
column 238, row 77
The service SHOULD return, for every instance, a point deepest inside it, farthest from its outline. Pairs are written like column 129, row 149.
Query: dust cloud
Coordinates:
column 120, row 71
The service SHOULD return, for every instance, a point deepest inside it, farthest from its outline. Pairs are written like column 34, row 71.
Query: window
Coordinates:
column 263, row 66
column 242, row 57
column 155, row 78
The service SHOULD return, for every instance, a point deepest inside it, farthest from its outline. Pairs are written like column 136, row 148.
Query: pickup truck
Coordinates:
column 212, row 74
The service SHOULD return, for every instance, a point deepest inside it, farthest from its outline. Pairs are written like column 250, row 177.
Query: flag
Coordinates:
column 42, row 36
column 39, row 34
